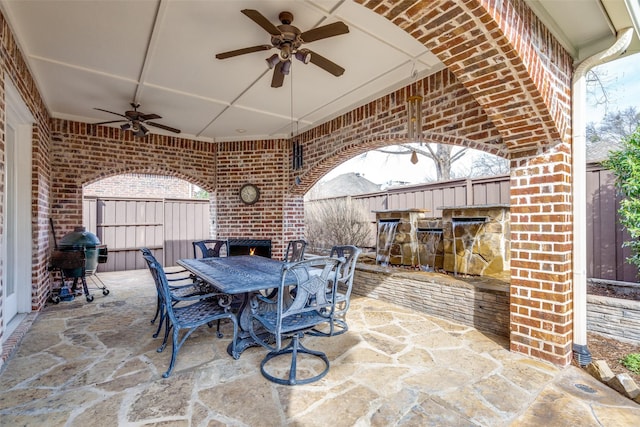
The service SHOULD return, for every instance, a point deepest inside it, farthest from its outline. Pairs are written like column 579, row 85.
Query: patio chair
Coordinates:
column 210, row 248
column 346, row 273
column 295, row 251
column 294, row 314
column 186, row 288
column 187, row 317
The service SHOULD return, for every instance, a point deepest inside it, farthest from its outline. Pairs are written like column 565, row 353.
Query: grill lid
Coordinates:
column 79, row 238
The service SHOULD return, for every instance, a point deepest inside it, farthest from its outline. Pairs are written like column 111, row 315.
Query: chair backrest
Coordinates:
column 162, row 285
column 312, row 278
column 295, row 251
column 160, row 279
column 150, row 259
column 210, row 248
column 347, row 270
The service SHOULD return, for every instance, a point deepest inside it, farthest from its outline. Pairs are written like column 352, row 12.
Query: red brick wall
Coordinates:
column 140, row 185
column 13, row 67
column 266, row 164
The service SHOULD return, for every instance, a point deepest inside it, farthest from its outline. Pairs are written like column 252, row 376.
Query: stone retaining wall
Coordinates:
column 614, row 317
column 479, row 302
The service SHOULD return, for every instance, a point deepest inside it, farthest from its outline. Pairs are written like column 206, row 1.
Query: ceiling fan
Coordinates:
column 289, row 40
column 136, row 121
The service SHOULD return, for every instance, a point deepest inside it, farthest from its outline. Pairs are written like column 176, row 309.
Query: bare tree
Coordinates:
column 442, row 155
column 336, row 222
column 614, row 127
column 489, row 165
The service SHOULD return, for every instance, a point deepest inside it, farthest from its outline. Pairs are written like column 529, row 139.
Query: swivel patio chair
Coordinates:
column 294, row 314
column 183, row 287
column 295, row 251
column 346, row 272
column 187, row 317
column 210, row 248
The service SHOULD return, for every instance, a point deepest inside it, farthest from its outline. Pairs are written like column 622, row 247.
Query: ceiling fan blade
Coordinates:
column 144, row 117
column 326, row 64
column 158, row 125
column 111, row 112
column 278, row 75
column 110, row 121
column 325, row 31
column 232, row 53
column 259, row 19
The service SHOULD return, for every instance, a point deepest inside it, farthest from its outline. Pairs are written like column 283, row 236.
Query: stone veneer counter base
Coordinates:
column 481, row 302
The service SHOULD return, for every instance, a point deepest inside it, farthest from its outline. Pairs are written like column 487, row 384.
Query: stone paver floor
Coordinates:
column 96, row 364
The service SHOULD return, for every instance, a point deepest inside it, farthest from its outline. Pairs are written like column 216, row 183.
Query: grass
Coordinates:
column 632, row 362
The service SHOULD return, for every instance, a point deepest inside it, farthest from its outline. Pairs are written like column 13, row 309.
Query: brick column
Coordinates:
column 541, row 267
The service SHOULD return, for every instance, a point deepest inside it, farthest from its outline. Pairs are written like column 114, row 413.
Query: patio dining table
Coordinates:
column 244, row 276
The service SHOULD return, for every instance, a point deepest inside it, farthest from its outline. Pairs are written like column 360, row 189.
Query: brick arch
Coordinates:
column 82, row 153
column 503, row 55
column 347, row 152
column 450, row 114
column 151, row 170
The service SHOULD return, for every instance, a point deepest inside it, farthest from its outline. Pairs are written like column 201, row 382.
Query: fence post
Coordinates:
column 164, row 232
column 469, row 192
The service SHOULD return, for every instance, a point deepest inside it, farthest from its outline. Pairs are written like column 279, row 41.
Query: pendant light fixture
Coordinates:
column 414, row 157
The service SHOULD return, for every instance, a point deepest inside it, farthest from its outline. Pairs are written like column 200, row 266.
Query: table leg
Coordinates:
column 245, row 340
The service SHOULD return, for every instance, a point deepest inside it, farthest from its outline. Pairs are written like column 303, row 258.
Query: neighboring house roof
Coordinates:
column 598, row 152
column 347, row 184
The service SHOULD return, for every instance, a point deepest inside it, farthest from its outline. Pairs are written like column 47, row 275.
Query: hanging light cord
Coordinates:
column 291, row 103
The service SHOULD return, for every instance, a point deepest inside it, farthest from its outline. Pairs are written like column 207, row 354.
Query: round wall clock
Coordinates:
column 249, row 194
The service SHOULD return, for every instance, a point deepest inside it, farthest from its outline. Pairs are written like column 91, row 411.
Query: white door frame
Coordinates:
column 18, row 235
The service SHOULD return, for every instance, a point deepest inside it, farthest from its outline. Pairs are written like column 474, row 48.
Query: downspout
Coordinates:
column 579, row 192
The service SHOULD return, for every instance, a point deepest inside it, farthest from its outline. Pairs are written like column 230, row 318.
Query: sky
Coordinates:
column 622, row 81
column 620, row 77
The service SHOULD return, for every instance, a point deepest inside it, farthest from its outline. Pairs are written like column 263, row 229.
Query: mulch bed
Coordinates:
column 622, row 292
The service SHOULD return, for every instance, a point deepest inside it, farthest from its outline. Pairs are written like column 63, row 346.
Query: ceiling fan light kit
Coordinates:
column 288, row 39
column 303, row 55
column 273, row 60
column 285, row 67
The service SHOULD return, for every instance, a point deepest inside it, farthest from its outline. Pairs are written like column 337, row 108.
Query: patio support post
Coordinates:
column 580, row 350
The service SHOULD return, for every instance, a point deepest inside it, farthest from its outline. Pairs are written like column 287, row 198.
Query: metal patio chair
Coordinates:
column 295, row 251
column 210, row 248
column 187, row 317
column 293, row 314
column 346, row 272
column 183, row 287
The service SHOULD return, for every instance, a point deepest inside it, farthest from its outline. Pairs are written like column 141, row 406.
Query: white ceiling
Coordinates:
column 160, row 53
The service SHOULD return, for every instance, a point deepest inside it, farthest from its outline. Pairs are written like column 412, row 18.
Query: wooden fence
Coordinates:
column 166, row 226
